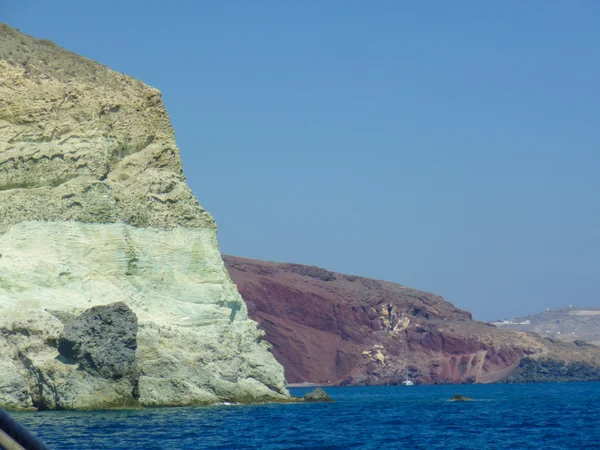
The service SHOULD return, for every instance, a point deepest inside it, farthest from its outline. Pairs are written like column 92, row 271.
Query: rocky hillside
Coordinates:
column 329, row 327
column 94, row 211
column 569, row 323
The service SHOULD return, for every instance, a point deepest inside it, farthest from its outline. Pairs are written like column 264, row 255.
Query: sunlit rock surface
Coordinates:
column 95, row 210
column 328, row 327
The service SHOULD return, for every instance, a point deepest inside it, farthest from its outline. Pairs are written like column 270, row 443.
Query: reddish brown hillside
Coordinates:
column 330, row 327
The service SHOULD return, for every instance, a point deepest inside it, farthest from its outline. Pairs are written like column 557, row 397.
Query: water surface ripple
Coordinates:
column 525, row 416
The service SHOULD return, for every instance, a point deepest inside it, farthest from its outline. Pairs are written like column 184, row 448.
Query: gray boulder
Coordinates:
column 102, row 340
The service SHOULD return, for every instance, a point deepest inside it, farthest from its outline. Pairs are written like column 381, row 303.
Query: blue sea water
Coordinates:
column 519, row 416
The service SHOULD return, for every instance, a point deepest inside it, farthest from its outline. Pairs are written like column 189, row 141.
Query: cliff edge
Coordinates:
column 95, row 211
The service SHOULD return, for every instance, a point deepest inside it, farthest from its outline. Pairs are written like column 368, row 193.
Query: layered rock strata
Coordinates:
column 328, row 327
column 95, row 210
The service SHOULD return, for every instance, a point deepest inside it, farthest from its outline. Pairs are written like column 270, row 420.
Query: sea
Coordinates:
column 500, row 416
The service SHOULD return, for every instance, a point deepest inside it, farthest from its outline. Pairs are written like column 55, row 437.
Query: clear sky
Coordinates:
column 448, row 146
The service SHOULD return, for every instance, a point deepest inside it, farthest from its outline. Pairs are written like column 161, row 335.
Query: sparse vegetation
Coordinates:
column 19, row 49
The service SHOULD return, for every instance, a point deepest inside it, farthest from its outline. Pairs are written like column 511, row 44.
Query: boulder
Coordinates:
column 318, row 395
column 460, row 398
column 102, row 340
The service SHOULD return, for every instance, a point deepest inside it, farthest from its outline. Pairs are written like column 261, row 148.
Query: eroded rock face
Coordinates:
column 98, row 346
column 327, row 327
column 81, row 142
column 95, row 210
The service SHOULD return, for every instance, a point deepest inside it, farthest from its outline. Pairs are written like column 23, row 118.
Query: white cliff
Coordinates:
column 95, row 210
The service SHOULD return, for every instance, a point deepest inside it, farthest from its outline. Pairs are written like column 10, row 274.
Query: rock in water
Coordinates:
column 318, row 395
column 460, row 398
column 94, row 210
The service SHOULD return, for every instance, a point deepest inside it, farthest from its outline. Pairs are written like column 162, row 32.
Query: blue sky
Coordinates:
column 448, row 146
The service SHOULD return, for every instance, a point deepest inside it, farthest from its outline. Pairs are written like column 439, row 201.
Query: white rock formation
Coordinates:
column 94, row 209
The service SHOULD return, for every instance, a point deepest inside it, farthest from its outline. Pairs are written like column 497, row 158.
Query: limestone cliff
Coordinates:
column 94, row 210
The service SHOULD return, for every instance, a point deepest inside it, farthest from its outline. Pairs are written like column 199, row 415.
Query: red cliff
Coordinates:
column 329, row 327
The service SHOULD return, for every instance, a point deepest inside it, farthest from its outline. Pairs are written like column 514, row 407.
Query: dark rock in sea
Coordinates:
column 102, row 340
column 318, row 395
column 460, row 398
